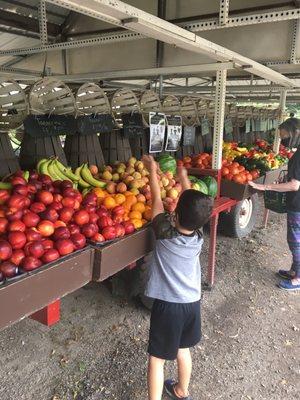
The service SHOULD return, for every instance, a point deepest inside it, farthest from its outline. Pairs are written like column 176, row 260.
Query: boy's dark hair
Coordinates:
column 292, row 126
column 193, row 209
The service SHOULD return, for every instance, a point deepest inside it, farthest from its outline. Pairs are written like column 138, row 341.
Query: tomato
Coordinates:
column 255, row 174
column 229, row 177
column 241, row 168
column 225, row 171
column 234, row 170
column 235, row 164
column 238, row 179
column 249, row 177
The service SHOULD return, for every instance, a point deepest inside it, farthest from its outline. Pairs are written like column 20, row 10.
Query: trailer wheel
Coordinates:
column 240, row 221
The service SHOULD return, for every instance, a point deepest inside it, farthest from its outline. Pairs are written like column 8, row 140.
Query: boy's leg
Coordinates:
column 184, row 364
column 155, row 378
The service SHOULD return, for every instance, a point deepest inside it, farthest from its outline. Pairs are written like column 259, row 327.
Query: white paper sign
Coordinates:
column 189, row 136
column 157, row 132
column 174, row 132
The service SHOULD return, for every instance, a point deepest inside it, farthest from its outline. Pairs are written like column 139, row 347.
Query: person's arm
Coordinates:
column 292, row 186
column 183, row 178
column 157, row 204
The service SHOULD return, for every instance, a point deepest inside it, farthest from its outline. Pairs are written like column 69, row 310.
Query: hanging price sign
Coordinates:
column 157, row 123
column 174, row 132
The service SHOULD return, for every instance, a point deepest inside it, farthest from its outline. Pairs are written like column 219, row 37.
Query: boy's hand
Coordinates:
column 182, row 172
column 150, row 163
column 183, row 178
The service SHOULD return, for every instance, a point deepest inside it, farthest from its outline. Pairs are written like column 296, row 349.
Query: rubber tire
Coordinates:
column 229, row 222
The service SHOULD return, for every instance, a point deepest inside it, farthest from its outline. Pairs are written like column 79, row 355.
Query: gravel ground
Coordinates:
column 250, row 348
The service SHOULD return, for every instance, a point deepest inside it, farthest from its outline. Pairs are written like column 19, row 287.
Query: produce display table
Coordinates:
column 115, row 256
column 41, row 289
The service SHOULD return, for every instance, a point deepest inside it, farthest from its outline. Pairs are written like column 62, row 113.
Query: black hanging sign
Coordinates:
column 189, row 136
column 38, row 126
column 132, row 125
column 95, row 123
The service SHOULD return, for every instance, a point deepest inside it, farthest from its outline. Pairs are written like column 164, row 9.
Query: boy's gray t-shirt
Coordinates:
column 174, row 270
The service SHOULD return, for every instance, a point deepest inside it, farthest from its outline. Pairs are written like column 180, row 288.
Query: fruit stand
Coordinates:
column 81, row 212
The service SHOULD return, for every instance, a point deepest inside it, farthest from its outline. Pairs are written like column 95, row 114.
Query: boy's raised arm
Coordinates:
column 183, row 178
column 157, row 204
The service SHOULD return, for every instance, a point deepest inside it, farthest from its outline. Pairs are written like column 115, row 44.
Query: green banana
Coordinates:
column 26, row 175
column 51, row 171
column 43, row 167
column 67, row 172
column 88, row 177
column 57, row 172
column 39, row 164
column 86, row 191
column 5, row 185
column 82, row 183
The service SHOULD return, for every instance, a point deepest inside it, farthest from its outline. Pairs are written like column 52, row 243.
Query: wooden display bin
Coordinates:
column 115, row 256
column 22, row 297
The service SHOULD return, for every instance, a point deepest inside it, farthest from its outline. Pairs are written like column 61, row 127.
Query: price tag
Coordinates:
column 174, row 132
column 38, row 126
column 97, row 123
column 205, row 127
column 157, row 123
column 132, row 125
column 189, row 135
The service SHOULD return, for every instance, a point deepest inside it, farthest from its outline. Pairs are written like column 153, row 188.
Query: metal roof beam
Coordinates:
column 122, row 14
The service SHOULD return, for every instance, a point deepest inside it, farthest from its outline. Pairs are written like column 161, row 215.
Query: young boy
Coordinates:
column 175, row 284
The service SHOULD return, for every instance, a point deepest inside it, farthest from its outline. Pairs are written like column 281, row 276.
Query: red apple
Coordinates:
column 66, row 184
column 69, row 192
column 36, row 184
column 109, row 233
column 64, row 246
column 129, row 227
column 76, row 205
column 32, row 235
column 57, row 197
column 61, row 233
column 102, row 212
column 98, row 238
column 30, row 263
column 56, row 205
column 66, row 214
column 46, row 228
column 14, row 215
column 120, row 230
column 27, row 201
column 89, row 230
column 8, row 269
column 3, row 224
column 50, row 255
column 48, row 244
column 35, row 249
column 31, row 219
column 17, row 226
column 45, row 179
column 73, row 229
column 118, row 210
column 17, row 257
column 31, row 188
column 81, row 217
column 56, row 185
column 93, row 218
column 16, row 201
column 33, row 174
column 17, row 240
column 49, row 214
column 59, row 223
column 21, row 189
column 105, row 221
column 44, row 196
column 68, row 202
column 90, row 198
column 78, row 240
column 18, row 180
column 4, row 195
column 37, row 207
column 117, row 219
column 78, row 197
column 90, row 208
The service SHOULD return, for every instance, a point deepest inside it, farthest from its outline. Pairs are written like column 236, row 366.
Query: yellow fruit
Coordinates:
column 120, row 198
column 139, row 207
column 107, row 175
column 109, row 202
column 135, row 215
column 115, row 177
column 137, row 223
column 137, row 175
column 134, row 191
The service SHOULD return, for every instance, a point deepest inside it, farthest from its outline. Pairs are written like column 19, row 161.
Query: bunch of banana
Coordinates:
column 86, row 179
column 56, row 170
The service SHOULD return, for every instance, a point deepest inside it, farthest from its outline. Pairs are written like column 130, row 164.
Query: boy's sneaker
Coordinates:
column 169, row 388
column 288, row 286
column 286, row 274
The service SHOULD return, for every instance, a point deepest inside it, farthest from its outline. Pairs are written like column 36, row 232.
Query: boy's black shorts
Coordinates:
column 173, row 326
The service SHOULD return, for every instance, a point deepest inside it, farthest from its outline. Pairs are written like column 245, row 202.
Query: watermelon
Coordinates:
column 211, row 184
column 167, row 163
column 200, row 186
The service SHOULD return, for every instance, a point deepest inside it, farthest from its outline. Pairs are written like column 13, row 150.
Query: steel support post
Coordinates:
column 281, row 112
column 219, row 119
column 43, row 22
column 224, row 10
column 295, row 41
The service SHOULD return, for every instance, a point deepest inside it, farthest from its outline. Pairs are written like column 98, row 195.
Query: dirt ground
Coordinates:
column 250, row 349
